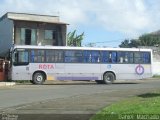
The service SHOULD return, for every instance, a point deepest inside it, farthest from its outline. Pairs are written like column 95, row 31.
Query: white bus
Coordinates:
column 104, row 65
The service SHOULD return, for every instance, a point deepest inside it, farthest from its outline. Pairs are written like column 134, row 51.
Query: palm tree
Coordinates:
column 73, row 39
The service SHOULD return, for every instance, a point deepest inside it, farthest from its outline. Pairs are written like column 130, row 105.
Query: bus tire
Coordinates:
column 108, row 78
column 38, row 78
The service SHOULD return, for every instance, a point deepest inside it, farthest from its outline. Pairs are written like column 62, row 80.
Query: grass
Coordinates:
column 156, row 76
column 145, row 104
column 22, row 81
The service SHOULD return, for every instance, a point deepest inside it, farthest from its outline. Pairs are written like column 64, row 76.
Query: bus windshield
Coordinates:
column 20, row 57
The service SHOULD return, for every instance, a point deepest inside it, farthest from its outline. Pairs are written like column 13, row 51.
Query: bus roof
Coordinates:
column 78, row 48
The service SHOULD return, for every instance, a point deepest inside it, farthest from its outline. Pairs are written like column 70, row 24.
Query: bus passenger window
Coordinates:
column 49, row 56
column 114, row 57
column 121, row 59
column 37, row 56
column 87, row 56
column 32, row 56
column 105, row 56
column 95, row 57
column 137, row 57
column 125, row 57
column 146, row 57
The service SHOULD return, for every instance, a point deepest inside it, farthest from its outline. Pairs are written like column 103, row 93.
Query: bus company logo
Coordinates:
column 139, row 70
column 46, row 66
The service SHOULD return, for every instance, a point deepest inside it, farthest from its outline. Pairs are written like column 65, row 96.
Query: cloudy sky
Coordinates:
column 104, row 22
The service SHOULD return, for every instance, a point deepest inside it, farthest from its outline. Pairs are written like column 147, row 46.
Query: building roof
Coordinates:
column 32, row 17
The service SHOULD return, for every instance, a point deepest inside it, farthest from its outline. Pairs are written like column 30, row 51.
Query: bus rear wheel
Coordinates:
column 38, row 78
column 108, row 78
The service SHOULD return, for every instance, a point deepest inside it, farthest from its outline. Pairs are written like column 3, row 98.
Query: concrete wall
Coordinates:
column 156, row 68
column 156, row 59
column 6, row 36
column 40, row 28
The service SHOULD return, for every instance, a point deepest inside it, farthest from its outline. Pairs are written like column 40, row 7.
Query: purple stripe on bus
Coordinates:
column 77, row 78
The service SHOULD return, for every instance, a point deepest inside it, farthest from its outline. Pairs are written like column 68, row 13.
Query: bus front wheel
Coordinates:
column 108, row 78
column 38, row 78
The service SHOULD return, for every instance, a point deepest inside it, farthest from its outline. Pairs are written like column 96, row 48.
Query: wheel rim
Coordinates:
column 108, row 78
column 39, row 78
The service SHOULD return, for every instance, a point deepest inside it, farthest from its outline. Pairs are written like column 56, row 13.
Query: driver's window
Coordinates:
column 21, row 58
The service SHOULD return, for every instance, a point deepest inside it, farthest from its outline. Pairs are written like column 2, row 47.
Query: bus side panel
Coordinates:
column 47, row 68
column 128, row 71
column 75, row 71
column 20, row 73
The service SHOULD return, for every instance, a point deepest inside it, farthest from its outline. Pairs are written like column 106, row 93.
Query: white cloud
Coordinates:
column 125, row 16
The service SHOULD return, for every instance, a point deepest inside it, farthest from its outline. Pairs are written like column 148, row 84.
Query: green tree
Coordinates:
column 149, row 40
column 73, row 39
column 125, row 44
column 143, row 40
column 129, row 43
column 134, row 43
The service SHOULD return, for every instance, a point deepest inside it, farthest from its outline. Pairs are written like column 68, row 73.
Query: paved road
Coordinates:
column 84, row 99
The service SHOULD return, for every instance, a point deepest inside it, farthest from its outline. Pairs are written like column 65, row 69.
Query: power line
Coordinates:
column 105, row 42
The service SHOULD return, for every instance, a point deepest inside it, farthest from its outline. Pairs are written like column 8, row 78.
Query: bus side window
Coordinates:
column 113, row 57
column 37, row 56
column 32, row 56
column 22, row 56
column 78, row 54
column 105, row 56
column 58, row 56
column 125, row 57
column 142, row 57
column 95, row 56
column 130, row 57
column 120, row 57
column 49, row 56
column 137, row 57
column 68, row 56
column 87, row 56
column 146, row 57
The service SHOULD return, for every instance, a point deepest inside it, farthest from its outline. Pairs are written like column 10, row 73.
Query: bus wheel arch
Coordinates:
column 109, row 77
column 39, row 77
